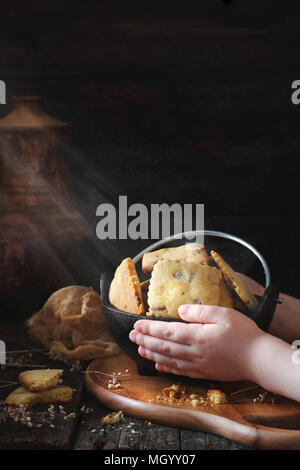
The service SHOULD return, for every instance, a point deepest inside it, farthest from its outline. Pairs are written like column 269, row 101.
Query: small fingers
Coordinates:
column 187, row 373
column 166, row 348
column 172, row 362
column 203, row 313
column 176, row 332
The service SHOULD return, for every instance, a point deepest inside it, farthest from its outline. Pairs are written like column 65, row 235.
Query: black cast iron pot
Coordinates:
column 121, row 323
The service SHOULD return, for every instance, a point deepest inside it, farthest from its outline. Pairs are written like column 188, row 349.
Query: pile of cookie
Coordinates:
column 39, row 387
column 182, row 275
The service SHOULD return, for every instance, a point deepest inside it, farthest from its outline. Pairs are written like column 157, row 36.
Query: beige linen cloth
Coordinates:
column 72, row 325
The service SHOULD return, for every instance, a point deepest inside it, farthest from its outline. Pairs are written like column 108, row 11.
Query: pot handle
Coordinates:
column 210, row 233
column 267, row 306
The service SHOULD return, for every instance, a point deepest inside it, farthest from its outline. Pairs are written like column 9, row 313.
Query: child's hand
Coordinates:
column 218, row 344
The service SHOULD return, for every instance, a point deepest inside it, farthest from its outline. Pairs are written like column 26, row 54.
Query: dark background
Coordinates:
column 171, row 101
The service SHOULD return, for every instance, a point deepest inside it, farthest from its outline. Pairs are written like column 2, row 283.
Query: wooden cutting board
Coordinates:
column 261, row 425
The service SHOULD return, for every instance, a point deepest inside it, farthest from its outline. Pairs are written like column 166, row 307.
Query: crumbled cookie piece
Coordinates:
column 173, row 391
column 216, row 397
column 197, row 401
column 112, row 418
column 173, row 394
column 177, row 395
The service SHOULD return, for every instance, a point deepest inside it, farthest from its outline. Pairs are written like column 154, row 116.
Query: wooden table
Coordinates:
column 84, row 431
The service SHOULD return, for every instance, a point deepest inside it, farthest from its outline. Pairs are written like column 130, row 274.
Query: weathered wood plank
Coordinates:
column 193, row 440
column 90, row 434
column 149, row 437
column 56, row 432
column 131, row 433
column 214, row 442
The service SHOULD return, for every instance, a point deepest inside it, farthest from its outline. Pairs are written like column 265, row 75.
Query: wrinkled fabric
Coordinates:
column 72, row 325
